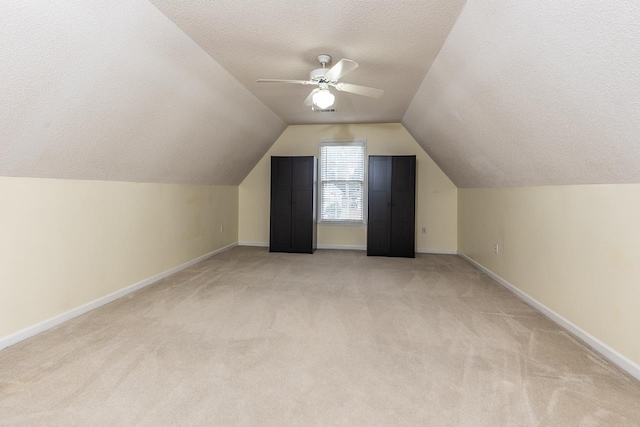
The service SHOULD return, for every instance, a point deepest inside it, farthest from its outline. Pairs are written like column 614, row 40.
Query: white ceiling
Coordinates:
column 499, row 93
column 394, row 43
column 115, row 91
column 531, row 93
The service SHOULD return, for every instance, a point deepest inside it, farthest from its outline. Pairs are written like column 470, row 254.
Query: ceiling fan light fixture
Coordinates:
column 323, row 99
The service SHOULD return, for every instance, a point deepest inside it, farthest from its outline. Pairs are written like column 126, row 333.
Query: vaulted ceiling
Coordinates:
column 113, row 90
column 394, row 42
column 530, row 93
column 499, row 93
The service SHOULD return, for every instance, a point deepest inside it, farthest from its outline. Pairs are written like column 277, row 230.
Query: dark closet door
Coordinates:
column 379, row 224
column 391, row 224
column 281, row 204
column 403, row 208
column 293, row 205
column 302, row 200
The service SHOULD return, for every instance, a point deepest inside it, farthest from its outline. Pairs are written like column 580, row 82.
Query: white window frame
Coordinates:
column 340, row 142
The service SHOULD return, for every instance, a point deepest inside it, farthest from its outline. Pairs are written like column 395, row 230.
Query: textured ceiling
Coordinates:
column 115, row 91
column 394, row 43
column 519, row 93
column 535, row 93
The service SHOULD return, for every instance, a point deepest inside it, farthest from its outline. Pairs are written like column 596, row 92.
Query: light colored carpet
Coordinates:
column 249, row 338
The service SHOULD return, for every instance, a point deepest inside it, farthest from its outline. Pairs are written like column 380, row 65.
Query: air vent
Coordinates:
column 328, row 110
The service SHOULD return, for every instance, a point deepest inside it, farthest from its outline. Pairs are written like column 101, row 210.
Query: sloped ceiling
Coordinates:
column 115, row 91
column 530, row 93
column 394, row 42
column 513, row 93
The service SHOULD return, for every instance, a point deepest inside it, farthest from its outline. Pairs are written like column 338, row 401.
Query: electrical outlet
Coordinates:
column 496, row 249
column 222, row 228
column 424, row 230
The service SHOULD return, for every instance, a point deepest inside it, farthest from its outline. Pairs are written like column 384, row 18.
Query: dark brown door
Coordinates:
column 403, row 182
column 379, row 223
column 302, row 200
column 281, row 204
column 293, row 220
column 391, row 219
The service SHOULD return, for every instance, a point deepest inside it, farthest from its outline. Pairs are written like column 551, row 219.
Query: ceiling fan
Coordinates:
column 324, row 77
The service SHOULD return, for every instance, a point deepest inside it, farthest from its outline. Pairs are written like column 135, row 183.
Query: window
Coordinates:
column 342, row 181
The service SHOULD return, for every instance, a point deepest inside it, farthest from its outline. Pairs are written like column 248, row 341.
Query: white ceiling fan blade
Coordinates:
column 343, row 67
column 299, row 82
column 309, row 101
column 359, row 90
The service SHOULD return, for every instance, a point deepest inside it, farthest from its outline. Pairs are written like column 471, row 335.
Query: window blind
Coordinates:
column 342, row 181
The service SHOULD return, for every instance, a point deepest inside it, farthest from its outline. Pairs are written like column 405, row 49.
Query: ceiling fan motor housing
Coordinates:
column 317, row 75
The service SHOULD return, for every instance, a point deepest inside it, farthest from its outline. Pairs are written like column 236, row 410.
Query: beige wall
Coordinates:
column 575, row 249
column 66, row 243
column 436, row 204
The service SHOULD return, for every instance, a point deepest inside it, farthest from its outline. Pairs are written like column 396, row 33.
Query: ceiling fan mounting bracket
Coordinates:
column 324, row 59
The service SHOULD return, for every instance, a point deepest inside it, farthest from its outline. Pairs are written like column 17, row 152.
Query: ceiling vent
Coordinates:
column 325, row 110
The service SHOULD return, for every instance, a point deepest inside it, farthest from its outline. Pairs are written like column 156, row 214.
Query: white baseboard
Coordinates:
column 343, row 247
column 437, row 251
column 600, row 347
column 256, row 244
column 364, row 248
column 355, row 248
column 33, row 330
column 340, row 247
